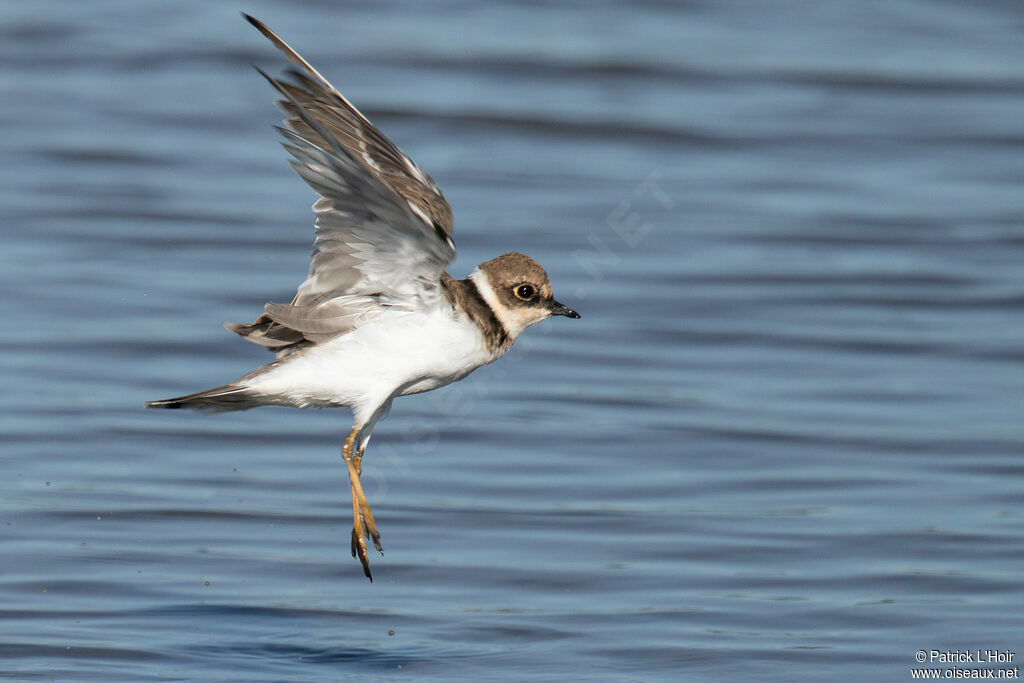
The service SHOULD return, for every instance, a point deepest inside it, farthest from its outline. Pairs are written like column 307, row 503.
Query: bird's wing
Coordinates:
column 383, row 228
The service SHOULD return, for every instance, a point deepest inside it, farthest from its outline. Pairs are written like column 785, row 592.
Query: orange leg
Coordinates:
column 363, row 525
column 359, row 460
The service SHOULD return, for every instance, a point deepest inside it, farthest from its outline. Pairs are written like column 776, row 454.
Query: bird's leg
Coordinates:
column 359, row 460
column 362, row 517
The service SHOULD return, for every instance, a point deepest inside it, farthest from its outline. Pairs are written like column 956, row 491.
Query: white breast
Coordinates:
column 396, row 354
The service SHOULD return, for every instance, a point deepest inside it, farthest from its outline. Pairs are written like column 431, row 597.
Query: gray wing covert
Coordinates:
column 383, row 228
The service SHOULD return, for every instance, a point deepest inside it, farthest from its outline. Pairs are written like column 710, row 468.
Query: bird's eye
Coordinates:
column 524, row 292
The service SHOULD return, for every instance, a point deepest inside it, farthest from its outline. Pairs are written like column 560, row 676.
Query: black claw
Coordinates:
column 376, row 539
column 357, row 551
column 366, row 566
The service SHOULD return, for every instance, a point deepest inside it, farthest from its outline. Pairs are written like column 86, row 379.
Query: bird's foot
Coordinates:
column 363, row 527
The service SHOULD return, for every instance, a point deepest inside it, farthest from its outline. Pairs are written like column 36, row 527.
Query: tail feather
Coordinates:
column 227, row 397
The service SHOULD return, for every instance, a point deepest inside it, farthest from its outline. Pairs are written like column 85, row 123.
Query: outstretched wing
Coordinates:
column 383, row 228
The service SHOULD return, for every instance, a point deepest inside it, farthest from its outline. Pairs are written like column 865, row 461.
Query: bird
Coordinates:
column 377, row 316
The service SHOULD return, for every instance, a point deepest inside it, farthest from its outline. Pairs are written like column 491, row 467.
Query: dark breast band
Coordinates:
column 464, row 295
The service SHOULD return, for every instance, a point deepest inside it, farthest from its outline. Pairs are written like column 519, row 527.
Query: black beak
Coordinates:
column 561, row 309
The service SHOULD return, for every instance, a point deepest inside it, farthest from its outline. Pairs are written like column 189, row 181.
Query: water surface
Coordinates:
column 783, row 443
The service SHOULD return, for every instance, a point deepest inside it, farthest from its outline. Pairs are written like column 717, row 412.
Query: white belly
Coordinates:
column 396, row 354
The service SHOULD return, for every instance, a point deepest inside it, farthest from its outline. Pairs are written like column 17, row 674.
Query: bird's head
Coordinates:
column 517, row 289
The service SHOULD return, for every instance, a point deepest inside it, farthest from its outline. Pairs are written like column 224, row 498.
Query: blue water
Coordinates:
column 784, row 442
